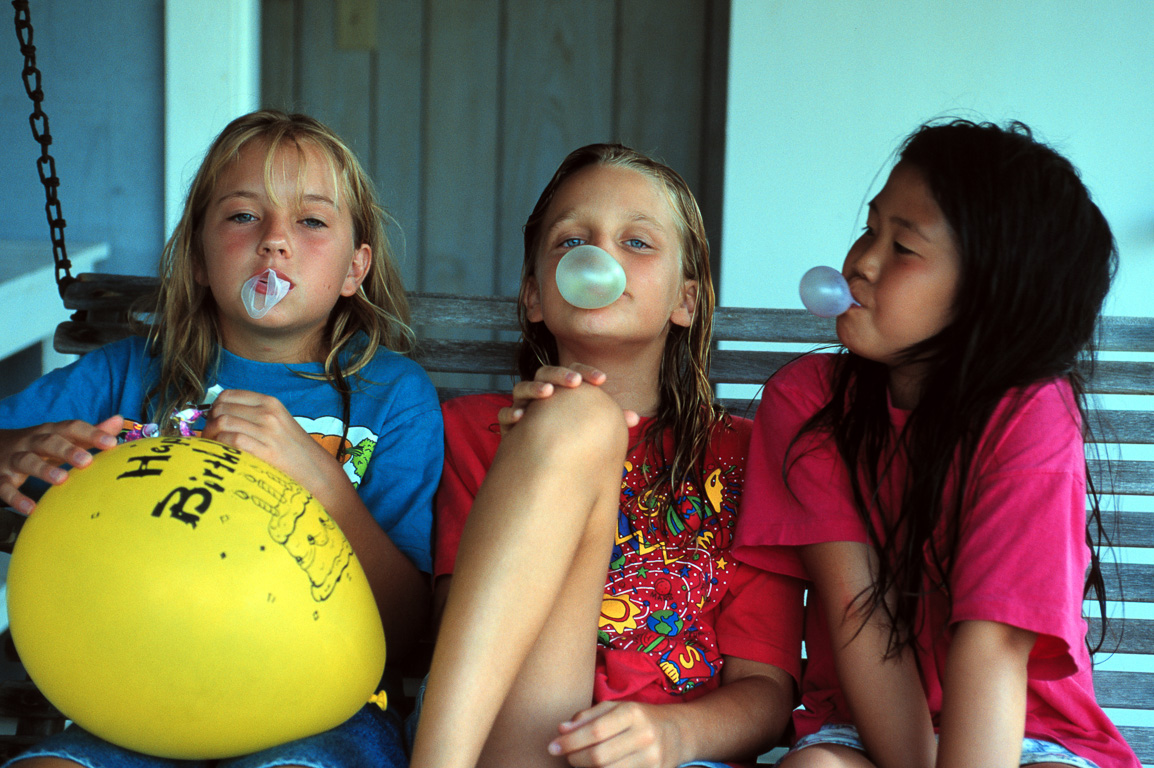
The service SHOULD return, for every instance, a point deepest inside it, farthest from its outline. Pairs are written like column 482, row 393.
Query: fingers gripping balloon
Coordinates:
column 258, row 303
column 825, row 292
column 590, row 278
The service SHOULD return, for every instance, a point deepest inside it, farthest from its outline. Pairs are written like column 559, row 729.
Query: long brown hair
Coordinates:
column 186, row 335
column 686, row 405
column 1037, row 260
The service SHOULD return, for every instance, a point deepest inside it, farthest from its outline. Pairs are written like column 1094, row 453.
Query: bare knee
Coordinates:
column 45, row 762
column 581, row 427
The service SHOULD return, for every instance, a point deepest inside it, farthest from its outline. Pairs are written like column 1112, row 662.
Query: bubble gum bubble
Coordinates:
column 258, row 304
column 825, row 292
column 589, row 278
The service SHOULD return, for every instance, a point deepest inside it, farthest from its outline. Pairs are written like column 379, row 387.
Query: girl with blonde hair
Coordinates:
column 593, row 615
column 280, row 330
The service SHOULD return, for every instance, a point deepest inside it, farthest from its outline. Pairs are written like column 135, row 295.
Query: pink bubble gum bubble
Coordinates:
column 589, row 278
column 825, row 292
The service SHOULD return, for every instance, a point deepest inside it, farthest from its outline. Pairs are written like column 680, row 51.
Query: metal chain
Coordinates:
column 46, row 165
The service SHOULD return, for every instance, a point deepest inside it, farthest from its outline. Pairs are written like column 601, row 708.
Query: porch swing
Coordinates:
column 102, row 307
column 101, row 303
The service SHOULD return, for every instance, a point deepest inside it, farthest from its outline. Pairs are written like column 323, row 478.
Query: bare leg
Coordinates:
column 826, row 756
column 516, row 648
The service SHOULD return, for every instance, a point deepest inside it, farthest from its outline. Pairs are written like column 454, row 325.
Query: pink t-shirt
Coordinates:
column 1021, row 556
column 675, row 602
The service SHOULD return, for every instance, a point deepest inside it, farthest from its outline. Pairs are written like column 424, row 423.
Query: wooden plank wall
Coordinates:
column 462, row 109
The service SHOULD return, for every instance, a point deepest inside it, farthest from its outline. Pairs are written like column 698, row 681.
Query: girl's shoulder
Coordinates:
column 385, row 359
column 130, row 348
column 1048, row 393
column 1048, row 405
column 807, row 371
column 801, row 385
column 732, row 430
column 132, row 358
column 1037, row 426
column 398, row 372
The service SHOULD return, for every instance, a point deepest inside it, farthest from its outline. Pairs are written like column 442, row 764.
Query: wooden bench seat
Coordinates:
column 466, row 343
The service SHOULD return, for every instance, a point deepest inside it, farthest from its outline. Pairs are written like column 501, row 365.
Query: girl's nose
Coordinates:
column 274, row 242
column 864, row 261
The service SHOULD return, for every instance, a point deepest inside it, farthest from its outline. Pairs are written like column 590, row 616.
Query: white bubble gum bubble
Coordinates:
column 258, row 304
column 589, row 278
column 825, row 293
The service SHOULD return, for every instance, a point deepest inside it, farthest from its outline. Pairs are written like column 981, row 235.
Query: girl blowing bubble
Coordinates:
column 278, row 291
column 930, row 479
column 594, row 616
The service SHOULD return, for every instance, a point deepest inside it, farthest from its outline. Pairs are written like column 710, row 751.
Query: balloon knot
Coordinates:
column 380, row 698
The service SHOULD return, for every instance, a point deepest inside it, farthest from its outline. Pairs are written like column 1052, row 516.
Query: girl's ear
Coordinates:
column 198, row 272
column 358, row 269
column 531, row 298
column 683, row 312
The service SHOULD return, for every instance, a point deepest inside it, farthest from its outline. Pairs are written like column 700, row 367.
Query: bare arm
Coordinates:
column 885, row 696
column 742, row 718
column 984, row 695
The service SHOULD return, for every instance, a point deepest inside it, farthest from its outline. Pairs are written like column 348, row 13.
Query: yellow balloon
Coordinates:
column 184, row 599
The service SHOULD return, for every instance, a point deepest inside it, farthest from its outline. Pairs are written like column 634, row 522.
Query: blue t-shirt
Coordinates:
column 395, row 446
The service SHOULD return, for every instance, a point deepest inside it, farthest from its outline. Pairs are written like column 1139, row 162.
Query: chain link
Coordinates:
column 45, row 165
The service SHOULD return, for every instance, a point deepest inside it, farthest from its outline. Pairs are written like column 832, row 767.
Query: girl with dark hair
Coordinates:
column 594, row 616
column 930, row 479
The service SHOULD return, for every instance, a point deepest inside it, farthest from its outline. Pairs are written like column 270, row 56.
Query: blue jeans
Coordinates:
column 1033, row 750
column 369, row 739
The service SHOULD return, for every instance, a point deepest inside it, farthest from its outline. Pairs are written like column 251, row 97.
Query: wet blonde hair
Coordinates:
column 186, row 333
column 686, row 405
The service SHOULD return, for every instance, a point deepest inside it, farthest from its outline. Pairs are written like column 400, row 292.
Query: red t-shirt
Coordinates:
column 1021, row 559
column 674, row 601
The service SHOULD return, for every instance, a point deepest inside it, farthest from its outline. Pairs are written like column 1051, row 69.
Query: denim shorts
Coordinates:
column 1033, row 750
column 369, row 739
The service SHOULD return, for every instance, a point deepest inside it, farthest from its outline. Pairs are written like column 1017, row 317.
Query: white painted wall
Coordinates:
column 822, row 91
column 212, row 75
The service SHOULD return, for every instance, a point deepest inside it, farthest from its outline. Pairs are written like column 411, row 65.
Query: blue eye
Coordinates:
column 635, row 242
column 313, row 223
column 571, row 242
column 242, row 218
